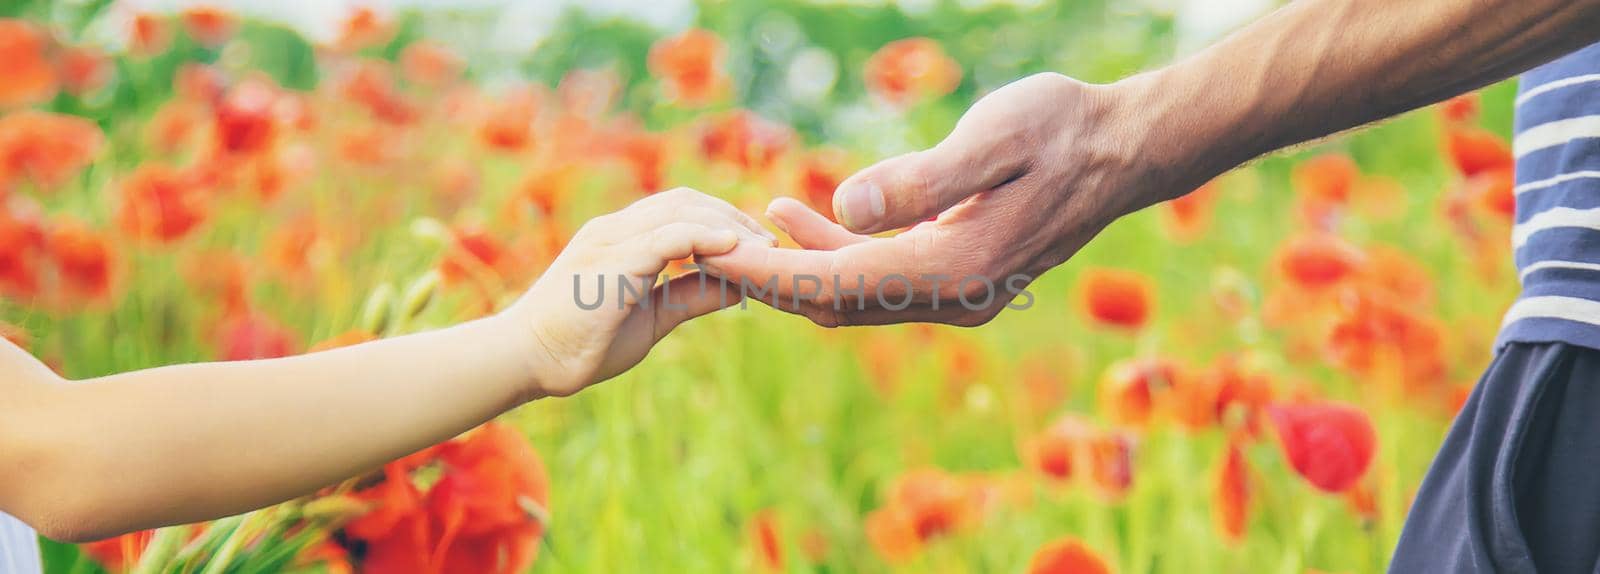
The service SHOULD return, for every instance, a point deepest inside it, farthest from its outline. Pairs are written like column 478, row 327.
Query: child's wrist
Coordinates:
column 519, row 325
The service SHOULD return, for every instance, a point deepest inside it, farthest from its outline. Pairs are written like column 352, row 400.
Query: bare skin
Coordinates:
column 1037, row 168
column 90, row 459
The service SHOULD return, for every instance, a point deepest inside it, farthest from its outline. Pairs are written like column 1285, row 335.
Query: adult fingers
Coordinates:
column 881, row 311
column 764, row 270
column 809, row 228
column 902, row 267
column 903, row 190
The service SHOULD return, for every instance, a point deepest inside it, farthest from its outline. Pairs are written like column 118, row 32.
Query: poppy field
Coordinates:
column 1251, row 378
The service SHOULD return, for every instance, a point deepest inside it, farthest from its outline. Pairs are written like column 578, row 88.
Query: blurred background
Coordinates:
column 1252, row 378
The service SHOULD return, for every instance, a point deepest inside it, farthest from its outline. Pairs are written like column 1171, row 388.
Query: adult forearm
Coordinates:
column 192, row 442
column 1316, row 67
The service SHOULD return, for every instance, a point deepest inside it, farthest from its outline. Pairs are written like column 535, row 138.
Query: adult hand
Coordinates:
column 1029, row 175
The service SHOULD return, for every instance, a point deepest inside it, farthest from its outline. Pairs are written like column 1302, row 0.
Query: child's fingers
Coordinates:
column 671, row 205
column 715, row 219
column 745, row 219
column 681, row 239
column 688, row 296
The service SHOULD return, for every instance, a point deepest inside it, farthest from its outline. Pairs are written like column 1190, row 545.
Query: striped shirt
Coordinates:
column 1556, row 237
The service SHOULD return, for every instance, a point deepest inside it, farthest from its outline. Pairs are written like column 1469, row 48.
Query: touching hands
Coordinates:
column 1030, row 174
column 572, row 347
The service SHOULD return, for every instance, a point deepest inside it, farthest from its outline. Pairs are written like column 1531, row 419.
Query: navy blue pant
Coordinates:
column 1516, row 486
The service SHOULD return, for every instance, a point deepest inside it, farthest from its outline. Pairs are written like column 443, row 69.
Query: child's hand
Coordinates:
column 573, row 347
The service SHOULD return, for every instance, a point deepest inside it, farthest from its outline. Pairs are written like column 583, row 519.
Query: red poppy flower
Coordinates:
column 1231, row 494
column 906, row 71
column 495, row 468
column 475, row 256
column 1328, row 177
column 372, row 145
column 455, row 182
column 1393, row 273
column 393, row 500
column 1374, row 333
column 173, row 124
column 84, row 69
column 508, row 125
column 1129, row 388
column 646, row 154
column 364, row 28
column 767, row 541
column 820, row 173
column 199, row 83
column 45, row 148
column 1055, row 452
column 1494, row 192
column 1111, row 462
column 160, row 203
column 1116, row 297
column 937, row 502
column 119, row 553
column 244, row 122
column 22, row 239
column 288, row 249
column 220, row 276
column 485, row 513
column 252, row 335
column 1329, row 444
column 149, row 34
column 83, row 259
column 1191, row 401
column 431, row 64
column 1475, row 150
column 1188, row 216
column 744, row 139
column 1460, row 109
column 370, row 84
column 1067, row 556
column 1242, row 395
column 922, row 505
column 546, row 189
column 892, row 534
column 29, row 77
column 209, row 25
column 1317, row 260
column 689, row 66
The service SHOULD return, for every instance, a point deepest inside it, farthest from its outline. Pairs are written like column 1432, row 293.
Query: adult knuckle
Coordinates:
column 974, row 288
column 924, row 186
column 827, row 318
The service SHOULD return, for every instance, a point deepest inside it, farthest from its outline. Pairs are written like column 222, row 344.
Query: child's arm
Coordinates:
column 85, row 460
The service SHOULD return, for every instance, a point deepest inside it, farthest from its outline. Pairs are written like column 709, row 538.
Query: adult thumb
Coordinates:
column 907, row 189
